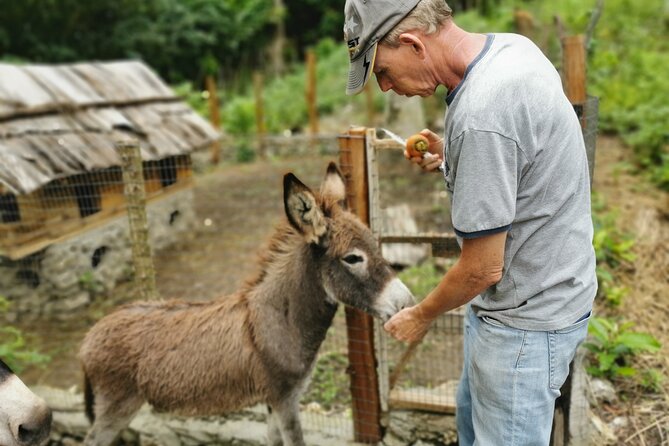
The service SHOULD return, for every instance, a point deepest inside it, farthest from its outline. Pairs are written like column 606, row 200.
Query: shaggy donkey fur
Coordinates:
column 257, row 345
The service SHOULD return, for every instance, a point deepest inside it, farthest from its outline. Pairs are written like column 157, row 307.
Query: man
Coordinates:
column 514, row 164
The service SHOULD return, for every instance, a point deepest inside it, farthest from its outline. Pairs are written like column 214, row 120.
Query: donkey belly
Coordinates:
column 199, row 397
column 212, row 378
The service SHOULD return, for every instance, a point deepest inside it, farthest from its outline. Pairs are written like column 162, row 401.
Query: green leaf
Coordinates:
column 600, row 329
column 639, row 342
column 624, row 371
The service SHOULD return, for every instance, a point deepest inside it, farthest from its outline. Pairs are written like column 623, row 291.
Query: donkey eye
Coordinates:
column 352, row 259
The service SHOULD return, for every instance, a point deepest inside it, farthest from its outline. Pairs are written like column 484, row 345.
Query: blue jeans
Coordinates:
column 510, row 381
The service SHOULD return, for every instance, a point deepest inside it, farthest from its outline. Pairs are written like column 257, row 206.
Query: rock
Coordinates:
column 602, row 391
column 398, row 220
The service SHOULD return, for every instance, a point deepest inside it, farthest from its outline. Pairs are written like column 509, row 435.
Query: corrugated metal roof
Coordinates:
column 61, row 120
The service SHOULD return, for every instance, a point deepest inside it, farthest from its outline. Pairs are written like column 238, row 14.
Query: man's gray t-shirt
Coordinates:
column 515, row 160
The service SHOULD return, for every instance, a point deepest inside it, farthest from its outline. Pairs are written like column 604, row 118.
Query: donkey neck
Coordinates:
column 290, row 301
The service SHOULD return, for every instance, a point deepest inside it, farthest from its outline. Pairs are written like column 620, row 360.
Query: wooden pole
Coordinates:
column 573, row 68
column 366, row 406
column 135, row 195
column 369, row 104
column 260, row 111
column 523, row 22
column 311, row 95
column 214, row 116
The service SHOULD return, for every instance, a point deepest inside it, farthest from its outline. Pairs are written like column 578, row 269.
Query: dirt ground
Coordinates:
column 238, row 206
column 643, row 212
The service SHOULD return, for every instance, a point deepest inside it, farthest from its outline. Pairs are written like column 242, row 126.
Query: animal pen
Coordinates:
column 61, row 235
column 56, row 198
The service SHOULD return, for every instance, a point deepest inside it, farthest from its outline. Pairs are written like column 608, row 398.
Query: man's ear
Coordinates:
column 334, row 186
column 302, row 211
column 417, row 45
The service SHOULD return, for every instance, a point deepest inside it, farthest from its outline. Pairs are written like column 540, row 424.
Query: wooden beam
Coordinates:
column 214, row 116
column 261, row 130
column 59, row 230
column 366, row 405
column 310, row 93
column 573, row 68
column 442, row 401
column 135, row 194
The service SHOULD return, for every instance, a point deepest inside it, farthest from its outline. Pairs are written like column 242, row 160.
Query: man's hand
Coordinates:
column 408, row 325
column 432, row 159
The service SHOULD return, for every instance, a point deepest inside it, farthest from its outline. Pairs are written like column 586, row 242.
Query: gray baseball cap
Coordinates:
column 367, row 22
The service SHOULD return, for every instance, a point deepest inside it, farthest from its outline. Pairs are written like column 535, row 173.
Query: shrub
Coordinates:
column 613, row 345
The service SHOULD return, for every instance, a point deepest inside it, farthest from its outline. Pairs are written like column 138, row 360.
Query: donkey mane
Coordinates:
column 282, row 243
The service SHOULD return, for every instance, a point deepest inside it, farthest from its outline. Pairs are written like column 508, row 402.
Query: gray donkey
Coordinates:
column 257, row 345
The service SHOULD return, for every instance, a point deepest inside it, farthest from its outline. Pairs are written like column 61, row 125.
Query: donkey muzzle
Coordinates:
column 394, row 297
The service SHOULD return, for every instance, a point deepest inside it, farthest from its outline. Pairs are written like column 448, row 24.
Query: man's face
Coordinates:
column 401, row 70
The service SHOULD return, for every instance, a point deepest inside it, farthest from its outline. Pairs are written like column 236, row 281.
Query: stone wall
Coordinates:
column 245, row 428
column 65, row 276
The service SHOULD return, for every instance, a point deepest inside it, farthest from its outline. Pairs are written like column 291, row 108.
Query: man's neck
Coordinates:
column 455, row 50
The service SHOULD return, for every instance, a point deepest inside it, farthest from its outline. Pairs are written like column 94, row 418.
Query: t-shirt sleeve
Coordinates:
column 486, row 183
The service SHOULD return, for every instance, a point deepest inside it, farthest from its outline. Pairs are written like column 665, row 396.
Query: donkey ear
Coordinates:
column 333, row 186
column 302, row 211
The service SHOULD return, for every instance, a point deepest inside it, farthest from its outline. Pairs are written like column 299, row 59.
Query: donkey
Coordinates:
column 25, row 419
column 257, row 345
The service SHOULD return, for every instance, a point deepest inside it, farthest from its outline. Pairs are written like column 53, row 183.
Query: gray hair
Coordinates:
column 428, row 16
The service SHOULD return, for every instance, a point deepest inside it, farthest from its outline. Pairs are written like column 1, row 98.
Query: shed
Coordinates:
column 59, row 172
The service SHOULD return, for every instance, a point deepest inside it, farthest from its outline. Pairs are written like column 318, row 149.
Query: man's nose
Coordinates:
column 384, row 84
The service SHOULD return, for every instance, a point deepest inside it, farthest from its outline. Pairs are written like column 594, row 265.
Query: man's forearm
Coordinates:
column 479, row 267
column 455, row 289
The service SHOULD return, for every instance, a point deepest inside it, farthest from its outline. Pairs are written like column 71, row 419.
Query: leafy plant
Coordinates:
column 13, row 349
column 90, row 283
column 613, row 249
column 613, row 345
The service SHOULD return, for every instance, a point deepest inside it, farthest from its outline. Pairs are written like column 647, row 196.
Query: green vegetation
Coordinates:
column 613, row 345
column 284, row 104
column 13, row 348
column 181, row 39
column 613, row 250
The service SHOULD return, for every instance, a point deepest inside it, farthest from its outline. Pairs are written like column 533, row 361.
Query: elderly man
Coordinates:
column 515, row 167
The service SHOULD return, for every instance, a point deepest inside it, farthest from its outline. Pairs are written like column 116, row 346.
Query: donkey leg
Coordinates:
column 273, row 428
column 287, row 413
column 111, row 417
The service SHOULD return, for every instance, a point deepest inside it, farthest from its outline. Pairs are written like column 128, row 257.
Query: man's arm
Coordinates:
column 480, row 266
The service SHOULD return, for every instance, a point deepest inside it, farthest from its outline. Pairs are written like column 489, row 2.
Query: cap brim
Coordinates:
column 360, row 71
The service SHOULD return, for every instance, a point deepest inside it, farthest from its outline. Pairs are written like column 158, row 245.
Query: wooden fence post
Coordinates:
column 260, row 111
column 135, row 195
column 311, row 95
column 573, row 68
column 570, row 425
column 362, row 369
column 214, row 116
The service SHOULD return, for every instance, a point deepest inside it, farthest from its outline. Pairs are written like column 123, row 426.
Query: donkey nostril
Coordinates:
column 36, row 431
